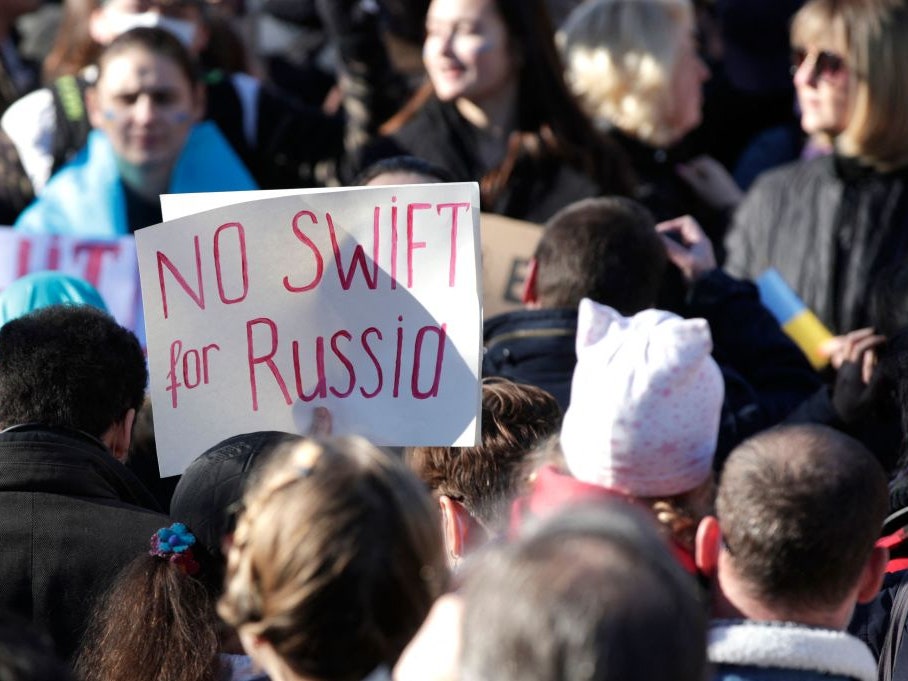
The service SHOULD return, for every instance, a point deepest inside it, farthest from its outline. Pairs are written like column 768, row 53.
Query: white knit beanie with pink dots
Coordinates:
column 645, row 402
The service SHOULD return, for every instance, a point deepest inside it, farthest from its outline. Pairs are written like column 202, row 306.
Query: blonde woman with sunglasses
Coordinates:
column 833, row 226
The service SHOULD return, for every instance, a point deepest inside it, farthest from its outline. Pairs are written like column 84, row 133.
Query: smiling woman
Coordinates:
column 145, row 107
column 496, row 110
column 469, row 61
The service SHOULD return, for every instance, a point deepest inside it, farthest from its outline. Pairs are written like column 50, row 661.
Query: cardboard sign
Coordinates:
column 507, row 247
column 108, row 265
column 365, row 301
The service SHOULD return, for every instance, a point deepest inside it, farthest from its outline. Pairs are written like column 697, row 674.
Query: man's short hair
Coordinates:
column 69, row 366
column 485, row 479
column 606, row 249
column 592, row 595
column 800, row 508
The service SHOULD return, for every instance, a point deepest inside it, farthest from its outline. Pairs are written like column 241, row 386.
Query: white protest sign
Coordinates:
column 365, row 301
column 108, row 265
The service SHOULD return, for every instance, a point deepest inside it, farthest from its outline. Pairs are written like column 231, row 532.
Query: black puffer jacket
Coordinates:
column 830, row 227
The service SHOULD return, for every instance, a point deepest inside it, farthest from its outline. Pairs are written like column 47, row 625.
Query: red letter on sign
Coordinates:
column 197, row 296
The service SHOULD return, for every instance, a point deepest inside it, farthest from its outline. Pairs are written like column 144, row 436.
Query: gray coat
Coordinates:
column 831, row 227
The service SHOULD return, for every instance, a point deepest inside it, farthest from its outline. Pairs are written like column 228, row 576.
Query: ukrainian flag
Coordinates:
column 796, row 320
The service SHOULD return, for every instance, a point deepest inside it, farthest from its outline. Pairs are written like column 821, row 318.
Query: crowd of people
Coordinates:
column 664, row 485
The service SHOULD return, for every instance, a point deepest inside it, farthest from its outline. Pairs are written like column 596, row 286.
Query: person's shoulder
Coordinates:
column 791, row 180
column 514, row 322
column 30, row 123
column 78, row 198
column 428, row 121
column 27, row 111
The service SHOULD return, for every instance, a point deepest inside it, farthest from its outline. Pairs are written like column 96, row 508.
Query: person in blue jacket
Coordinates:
column 147, row 140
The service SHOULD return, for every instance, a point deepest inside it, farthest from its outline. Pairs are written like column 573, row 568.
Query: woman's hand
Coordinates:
column 858, row 386
column 687, row 247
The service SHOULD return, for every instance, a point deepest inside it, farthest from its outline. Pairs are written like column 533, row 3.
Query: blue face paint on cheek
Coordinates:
column 180, row 117
column 109, row 115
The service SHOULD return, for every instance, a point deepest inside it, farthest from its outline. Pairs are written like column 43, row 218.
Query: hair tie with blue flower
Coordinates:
column 173, row 544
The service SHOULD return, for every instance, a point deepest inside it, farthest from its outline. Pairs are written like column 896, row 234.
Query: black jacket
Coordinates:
column 71, row 517
column 664, row 193
column 871, row 621
column 533, row 346
column 830, row 227
column 539, row 186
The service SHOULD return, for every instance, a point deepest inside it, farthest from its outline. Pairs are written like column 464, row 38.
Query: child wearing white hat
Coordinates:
column 646, row 400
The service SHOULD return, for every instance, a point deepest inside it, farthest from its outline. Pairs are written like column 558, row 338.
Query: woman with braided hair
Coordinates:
column 336, row 560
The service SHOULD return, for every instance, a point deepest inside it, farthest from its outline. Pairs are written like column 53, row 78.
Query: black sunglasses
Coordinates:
column 825, row 63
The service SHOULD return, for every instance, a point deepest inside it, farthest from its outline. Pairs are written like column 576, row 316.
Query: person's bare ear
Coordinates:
column 262, row 653
column 872, row 575
column 455, row 526
column 119, row 436
column 530, row 296
column 708, row 542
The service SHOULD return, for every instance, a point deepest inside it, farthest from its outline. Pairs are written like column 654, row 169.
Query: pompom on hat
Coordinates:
column 646, row 400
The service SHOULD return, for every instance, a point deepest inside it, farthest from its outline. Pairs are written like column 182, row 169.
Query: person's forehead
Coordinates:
column 137, row 70
column 460, row 10
column 819, row 33
column 146, row 5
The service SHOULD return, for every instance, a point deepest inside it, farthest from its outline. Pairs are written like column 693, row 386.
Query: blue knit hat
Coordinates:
column 42, row 289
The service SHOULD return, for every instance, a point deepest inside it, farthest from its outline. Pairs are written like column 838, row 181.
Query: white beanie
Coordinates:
column 646, row 399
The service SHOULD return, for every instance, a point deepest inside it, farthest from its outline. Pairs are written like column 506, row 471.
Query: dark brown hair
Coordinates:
column 73, row 48
column 606, row 249
column 158, row 41
column 155, row 623
column 69, row 366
